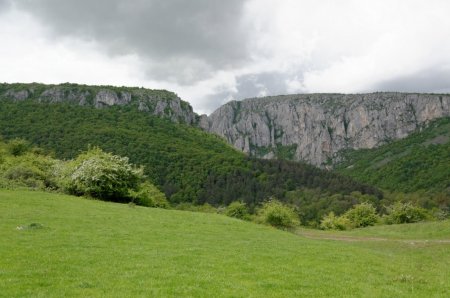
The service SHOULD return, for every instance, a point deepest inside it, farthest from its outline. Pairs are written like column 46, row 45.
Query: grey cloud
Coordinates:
column 213, row 101
column 200, row 36
column 272, row 83
column 4, row 5
column 428, row 80
column 249, row 86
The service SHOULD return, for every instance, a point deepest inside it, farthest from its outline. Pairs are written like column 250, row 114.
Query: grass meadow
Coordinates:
column 55, row 245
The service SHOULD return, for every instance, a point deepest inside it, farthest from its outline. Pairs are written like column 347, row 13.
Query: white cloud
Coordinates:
column 291, row 46
column 349, row 46
column 28, row 56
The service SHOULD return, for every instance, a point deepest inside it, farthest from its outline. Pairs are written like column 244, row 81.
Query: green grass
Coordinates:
column 435, row 230
column 427, row 230
column 80, row 247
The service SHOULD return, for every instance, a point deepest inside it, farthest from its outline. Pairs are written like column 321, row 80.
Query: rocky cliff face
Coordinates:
column 157, row 102
column 315, row 127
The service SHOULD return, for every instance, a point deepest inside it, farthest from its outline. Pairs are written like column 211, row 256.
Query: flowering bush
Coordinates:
column 103, row 175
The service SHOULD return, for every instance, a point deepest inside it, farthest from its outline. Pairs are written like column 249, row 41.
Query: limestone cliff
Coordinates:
column 157, row 102
column 315, row 127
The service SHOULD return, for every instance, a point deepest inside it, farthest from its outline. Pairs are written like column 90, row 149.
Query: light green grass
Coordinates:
column 93, row 248
column 433, row 230
column 436, row 230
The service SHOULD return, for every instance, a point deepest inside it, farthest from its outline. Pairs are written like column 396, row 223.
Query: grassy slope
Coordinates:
column 425, row 231
column 422, row 231
column 94, row 248
column 420, row 161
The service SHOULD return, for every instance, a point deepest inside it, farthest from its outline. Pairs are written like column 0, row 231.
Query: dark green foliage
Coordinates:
column 419, row 162
column 277, row 214
column 18, row 147
column 313, row 204
column 405, row 213
column 187, row 164
column 281, row 152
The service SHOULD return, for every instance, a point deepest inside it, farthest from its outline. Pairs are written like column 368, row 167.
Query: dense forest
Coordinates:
column 187, row 164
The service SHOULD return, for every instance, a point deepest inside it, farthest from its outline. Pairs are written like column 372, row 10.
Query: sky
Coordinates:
column 212, row 51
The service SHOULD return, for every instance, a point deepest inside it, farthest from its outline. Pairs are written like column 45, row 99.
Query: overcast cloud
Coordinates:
column 213, row 51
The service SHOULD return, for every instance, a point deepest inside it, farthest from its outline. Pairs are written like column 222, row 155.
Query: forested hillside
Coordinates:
column 420, row 162
column 161, row 103
column 189, row 165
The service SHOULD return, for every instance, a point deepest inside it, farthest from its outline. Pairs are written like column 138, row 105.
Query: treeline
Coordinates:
column 187, row 164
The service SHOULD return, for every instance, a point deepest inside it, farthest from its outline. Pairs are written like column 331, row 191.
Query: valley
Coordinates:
column 215, row 213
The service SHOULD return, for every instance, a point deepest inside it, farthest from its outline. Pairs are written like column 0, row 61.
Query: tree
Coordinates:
column 103, row 175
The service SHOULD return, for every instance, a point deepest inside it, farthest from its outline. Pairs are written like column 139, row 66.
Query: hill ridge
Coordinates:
column 161, row 103
column 315, row 127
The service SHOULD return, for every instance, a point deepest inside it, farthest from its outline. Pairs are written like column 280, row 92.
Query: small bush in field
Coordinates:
column 238, row 210
column 277, row 214
column 333, row 222
column 400, row 213
column 150, row 196
column 362, row 215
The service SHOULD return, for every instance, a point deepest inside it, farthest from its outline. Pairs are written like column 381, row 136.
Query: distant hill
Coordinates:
column 421, row 161
column 161, row 103
column 188, row 164
column 315, row 127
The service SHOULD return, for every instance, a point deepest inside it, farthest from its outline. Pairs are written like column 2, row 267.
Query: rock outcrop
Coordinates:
column 316, row 127
column 161, row 103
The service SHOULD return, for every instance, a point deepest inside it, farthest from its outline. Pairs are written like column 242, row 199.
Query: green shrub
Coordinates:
column 103, row 175
column 399, row 213
column 18, row 147
column 362, row 215
column 238, row 210
column 333, row 222
column 150, row 196
column 440, row 214
column 276, row 214
column 29, row 170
